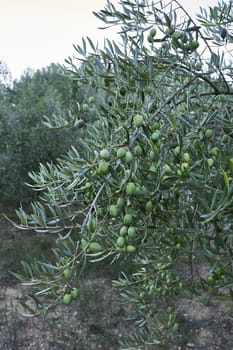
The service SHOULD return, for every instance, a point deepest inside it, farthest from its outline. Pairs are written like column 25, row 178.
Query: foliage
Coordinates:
column 151, row 181
column 5, row 74
column 24, row 140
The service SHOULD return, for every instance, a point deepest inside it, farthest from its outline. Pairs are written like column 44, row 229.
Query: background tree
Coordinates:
column 5, row 74
column 151, row 181
column 25, row 140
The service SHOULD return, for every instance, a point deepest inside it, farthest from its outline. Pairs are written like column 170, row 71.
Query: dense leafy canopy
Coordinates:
column 25, row 141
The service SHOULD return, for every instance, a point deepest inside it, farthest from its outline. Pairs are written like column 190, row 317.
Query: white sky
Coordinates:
column 35, row 33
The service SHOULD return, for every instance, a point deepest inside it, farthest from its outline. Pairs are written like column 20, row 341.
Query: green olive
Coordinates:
column 186, row 157
column 130, row 249
column 130, row 188
column 210, row 162
column 153, row 32
column 84, row 243
column 210, row 279
column 194, row 45
column 155, row 126
column 184, row 167
column 104, row 154
column 128, row 219
column 124, row 231
column 179, row 172
column 121, row 153
column 170, row 309
column 225, row 138
column 132, row 232
column 129, row 157
column 138, row 151
column 177, row 150
column 214, row 151
column 149, row 205
column 175, row 327
column 230, row 164
column 67, row 274
column 150, row 39
column 103, row 167
column 120, row 242
column 218, row 271
column 74, row 293
column 149, row 89
column 92, row 224
column 153, row 169
column 121, row 203
column 176, row 35
column 167, row 169
column 138, row 120
column 67, row 298
column 152, row 155
column 95, row 247
column 155, row 136
column 114, row 210
column 85, row 107
column 208, row 133
column 91, row 99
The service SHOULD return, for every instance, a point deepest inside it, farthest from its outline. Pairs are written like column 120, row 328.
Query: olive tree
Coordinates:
column 5, row 74
column 24, row 140
column 150, row 181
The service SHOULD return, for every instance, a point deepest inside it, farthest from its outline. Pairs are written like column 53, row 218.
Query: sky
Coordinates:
column 35, row 33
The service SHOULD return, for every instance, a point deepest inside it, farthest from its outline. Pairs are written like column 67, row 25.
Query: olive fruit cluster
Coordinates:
column 128, row 233
column 180, row 40
column 215, row 276
column 171, row 322
column 72, row 295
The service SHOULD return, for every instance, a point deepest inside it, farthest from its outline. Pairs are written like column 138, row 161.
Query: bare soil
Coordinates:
column 100, row 323
column 63, row 328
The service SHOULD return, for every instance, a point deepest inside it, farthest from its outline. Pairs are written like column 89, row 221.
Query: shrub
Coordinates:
column 25, row 141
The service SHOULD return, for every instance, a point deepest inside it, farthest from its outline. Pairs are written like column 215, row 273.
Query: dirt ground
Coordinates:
column 63, row 329
column 208, row 326
column 100, row 323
